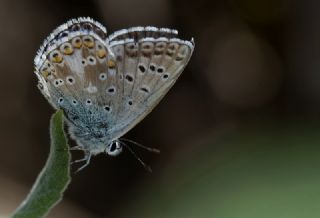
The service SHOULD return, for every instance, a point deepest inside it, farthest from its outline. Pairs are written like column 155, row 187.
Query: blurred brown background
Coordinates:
column 238, row 133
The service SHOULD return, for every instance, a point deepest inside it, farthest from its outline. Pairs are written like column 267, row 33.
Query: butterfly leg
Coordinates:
column 76, row 148
column 87, row 158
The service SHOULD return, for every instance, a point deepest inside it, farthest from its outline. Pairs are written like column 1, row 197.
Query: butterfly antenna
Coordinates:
column 147, row 167
column 154, row 150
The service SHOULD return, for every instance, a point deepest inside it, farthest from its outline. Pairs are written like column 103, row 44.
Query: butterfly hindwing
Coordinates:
column 73, row 67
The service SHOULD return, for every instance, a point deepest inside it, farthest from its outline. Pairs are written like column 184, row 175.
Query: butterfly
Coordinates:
column 107, row 84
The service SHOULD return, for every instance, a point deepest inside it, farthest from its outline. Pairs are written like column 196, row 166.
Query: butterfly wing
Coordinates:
column 149, row 61
column 76, row 73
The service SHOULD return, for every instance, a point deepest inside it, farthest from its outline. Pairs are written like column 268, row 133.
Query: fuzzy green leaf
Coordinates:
column 48, row 189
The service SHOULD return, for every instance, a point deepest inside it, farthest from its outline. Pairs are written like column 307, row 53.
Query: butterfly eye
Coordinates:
column 114, row 148
column 76, row 42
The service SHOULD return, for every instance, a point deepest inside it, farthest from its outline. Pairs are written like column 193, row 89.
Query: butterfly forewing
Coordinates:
column 149, row 67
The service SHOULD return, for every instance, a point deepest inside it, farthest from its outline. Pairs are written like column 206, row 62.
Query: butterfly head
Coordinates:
column 114, row 148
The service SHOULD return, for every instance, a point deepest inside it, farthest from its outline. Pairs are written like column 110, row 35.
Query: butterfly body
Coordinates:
column 106, row 85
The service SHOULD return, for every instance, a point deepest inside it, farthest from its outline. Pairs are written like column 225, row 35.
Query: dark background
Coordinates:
column 238, row 133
